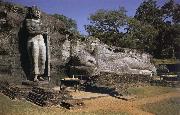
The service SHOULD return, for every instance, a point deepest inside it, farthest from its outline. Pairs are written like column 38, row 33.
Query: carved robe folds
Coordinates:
column 37, row 46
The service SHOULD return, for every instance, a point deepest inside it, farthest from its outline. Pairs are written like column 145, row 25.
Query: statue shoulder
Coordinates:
column 27, row 21
column 33, row 21
column 33, row 26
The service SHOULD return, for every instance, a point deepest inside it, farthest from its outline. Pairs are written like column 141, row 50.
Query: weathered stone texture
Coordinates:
column 98, row 57
column 121, row 82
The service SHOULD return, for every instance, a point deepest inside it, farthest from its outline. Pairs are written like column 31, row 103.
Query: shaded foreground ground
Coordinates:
column 165, row 107
column 102, row 106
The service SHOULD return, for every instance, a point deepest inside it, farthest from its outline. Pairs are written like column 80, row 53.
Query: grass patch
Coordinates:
column 166, row 107
column 19, row 107
column 22, row 107
column 166, row 61
column 149, row 91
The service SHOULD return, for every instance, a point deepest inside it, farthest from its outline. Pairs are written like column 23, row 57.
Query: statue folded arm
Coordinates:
column 33, row 27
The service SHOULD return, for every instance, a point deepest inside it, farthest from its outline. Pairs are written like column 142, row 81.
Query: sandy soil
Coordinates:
column 109, row 103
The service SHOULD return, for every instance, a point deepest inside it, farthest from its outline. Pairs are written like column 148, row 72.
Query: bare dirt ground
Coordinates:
column 87, row 95
column 109, row 103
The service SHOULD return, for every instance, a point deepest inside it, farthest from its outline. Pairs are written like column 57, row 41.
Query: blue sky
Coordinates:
column 80, row 10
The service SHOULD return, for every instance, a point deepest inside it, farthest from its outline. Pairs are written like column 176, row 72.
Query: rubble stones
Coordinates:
column 40, row 96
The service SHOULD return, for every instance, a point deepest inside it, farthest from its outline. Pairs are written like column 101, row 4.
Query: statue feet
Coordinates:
column 41, row 78
column 36, row 78
column 49, row 78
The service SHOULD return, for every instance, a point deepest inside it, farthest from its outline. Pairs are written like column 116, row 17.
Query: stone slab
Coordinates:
column 29, row 83
column 87, row 95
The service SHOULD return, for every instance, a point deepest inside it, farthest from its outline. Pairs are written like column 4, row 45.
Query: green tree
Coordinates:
column 140, row 35
column 149, row 13
column 177, row 40
column 163, row 19
column 176, row 13
column 171, row 10
column 71, row 24
column 106, row 25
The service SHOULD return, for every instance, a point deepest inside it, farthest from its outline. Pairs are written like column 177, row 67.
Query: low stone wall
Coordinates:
column 121, row 82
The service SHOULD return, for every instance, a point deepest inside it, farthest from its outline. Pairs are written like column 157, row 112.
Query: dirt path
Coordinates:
column 132, row 107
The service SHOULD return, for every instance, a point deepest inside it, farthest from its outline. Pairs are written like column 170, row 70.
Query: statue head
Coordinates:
column 34, row 12
column 92, row 43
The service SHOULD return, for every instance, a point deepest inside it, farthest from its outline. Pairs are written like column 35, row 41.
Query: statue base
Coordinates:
column 32, row 83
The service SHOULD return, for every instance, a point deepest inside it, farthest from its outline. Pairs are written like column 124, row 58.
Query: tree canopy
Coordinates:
column 106, row 25
column 154, row 29
column 71, row 24
column 165, row 20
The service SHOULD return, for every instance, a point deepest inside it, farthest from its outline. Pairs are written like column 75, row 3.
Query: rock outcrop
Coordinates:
column 99, row 57
column 108, row 67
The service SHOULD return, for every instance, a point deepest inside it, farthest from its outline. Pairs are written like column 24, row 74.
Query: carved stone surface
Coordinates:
column 36, row 44
column 100, row 57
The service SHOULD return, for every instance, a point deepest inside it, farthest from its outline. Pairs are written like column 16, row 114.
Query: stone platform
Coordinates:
column 32, row 83
column 86, row 95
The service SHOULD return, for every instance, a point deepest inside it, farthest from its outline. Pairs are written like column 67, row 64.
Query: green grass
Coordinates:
column 166, row 107
column 22, row 107
column 166, row 61
column 149, row 91
column 10, row 107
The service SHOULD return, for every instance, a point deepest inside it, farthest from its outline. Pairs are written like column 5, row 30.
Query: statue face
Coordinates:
column 93, row 45
column 36, row 12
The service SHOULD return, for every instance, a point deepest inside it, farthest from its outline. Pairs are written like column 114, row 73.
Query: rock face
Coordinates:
column 112, row 67
column 123, row 61
column 97, row 57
